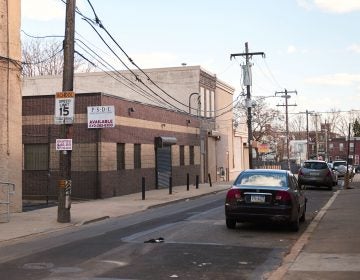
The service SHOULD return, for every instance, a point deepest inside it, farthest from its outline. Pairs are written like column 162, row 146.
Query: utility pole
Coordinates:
column 316, row 136
column 285, row 94
column 64, row 200
column 248, row 55
column 307, row 131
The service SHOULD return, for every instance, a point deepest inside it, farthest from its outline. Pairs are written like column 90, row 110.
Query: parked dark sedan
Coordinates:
column 265, row 195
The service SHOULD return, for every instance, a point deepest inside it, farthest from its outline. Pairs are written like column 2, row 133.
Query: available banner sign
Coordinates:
column 101, row 116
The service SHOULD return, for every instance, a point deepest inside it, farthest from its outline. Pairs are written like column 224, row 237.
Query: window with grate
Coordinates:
column 120, row 150
column 36, row 157
column 191, row 155
column 137, row 156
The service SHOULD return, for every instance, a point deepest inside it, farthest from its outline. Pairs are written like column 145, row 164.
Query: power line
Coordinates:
column 103, row 62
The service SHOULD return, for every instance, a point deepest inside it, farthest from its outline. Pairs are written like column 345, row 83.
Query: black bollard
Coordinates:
column 170, row 185
column 187, row 181
column 143, row 188
column 197, row 181
column 210, row 179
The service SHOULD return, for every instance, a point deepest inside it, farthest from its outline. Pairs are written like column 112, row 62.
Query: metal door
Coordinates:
column 163, row 166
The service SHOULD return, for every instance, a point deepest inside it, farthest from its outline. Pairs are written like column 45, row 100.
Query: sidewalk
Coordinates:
column 45, row 220
column 330, row 247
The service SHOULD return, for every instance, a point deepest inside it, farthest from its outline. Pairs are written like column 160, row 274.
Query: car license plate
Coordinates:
column 258, row 198
column 314, row 173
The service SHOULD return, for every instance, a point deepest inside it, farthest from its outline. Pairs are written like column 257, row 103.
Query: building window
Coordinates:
column 341, row 147
column 191, row 155
column 182, row 155
column 202, row 102
column 331, row 146
column 36, row 157
column 351, row 147
column 137, row 156
column 120, row 150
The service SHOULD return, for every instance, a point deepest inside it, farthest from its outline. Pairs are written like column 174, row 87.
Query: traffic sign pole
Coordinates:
column 64, row 184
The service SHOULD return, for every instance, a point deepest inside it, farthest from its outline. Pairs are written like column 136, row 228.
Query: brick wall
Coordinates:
column 94, row 155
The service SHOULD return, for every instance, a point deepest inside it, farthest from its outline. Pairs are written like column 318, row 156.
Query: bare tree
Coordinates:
column 45, row 57
column 297, row 125
column 265, row 121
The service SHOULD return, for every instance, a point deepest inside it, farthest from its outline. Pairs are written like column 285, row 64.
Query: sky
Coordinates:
column 311, row 46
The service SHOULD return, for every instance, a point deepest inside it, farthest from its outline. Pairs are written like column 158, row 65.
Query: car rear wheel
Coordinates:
column 302, row 218
column 230, row 223
column 295, row 225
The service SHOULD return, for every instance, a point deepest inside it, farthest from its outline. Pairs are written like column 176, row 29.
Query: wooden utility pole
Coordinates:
column 66, row 131
column 307, row 112
column 285, row 94
column 248, row 55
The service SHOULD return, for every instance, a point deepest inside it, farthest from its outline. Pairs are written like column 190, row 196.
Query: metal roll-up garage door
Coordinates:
column 163, row 160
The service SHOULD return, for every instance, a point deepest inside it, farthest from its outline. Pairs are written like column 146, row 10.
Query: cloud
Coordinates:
column 339, row 79
column 354, row 48
column 332, row 6
column 42, row 10
column 291, row 49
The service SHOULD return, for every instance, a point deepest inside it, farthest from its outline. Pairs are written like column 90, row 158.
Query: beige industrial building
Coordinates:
column 187, row 91
column 10, row 107
column 191, row 89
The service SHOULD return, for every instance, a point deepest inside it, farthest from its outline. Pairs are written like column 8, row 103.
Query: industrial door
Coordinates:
column 163, row 160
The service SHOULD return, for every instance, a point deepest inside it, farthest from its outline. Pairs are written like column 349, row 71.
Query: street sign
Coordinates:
column 101, row 116
column 63, row 144
column 64, row 107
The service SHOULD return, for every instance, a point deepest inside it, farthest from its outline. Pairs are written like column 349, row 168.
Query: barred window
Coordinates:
column 191, row 155
column 36, row 157
column 182, row 155
column 120, row 150
column 137, row 156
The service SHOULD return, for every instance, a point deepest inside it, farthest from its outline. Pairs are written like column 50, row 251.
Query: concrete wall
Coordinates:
column 178, row 82
column 10, row 100
column 228, row 157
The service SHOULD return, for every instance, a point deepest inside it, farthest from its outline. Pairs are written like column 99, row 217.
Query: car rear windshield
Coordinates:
column 338, row 163
column 315, row 165
column 262, row 180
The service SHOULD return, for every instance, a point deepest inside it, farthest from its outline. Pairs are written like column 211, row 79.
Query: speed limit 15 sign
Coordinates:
column 64, row 107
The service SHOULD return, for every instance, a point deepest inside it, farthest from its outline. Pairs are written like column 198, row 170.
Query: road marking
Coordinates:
column 289, row 259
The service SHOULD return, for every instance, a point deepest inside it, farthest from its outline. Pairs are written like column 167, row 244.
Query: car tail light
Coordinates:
column 328, row 173
column 282, row 196
column 300, row 173
column 234, row 194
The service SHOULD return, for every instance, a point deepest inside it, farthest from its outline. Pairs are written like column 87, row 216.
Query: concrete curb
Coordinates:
column 290, row 258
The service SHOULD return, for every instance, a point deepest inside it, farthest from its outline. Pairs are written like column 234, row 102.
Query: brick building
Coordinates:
column 147, row 141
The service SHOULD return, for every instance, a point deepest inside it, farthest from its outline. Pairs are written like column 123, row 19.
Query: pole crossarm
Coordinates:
column 246, row 54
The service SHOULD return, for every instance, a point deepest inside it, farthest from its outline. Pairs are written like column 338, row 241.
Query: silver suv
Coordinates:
column 340, row 170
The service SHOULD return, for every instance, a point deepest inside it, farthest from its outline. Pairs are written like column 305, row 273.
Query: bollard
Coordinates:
column 346, row 180
column 187, row 181
column 197, row 181
column 170, row 185
column 143, row 188
column 210, row 179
